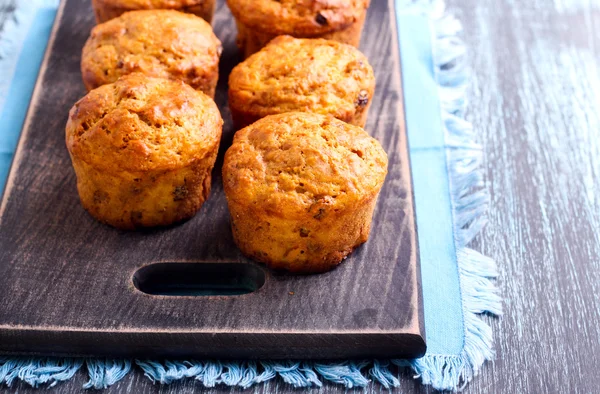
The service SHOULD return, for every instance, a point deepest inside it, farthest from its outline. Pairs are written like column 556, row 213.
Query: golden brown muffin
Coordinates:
column 308, row 75
column 301, row 189
column 158, row 43
column 143, row 150
column 259, row 21
column 109, row 9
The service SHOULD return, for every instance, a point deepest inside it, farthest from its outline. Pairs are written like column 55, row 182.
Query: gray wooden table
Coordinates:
column 536, row 100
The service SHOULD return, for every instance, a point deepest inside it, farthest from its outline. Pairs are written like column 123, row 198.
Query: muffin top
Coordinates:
column 296, row 163
column 312, row 75
column 141, row 123
column 161, row 43
column 297, row 17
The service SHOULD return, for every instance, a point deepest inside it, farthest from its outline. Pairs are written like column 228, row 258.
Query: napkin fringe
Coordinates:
column 12, row 39
column 248, row 373
column 105, row 372
column 470, row 201
column 11, row 44
column 36, row 371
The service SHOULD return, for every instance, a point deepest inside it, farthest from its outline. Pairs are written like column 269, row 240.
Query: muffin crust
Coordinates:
column 301, row 189
column 158, row 43
column 299, row 18
column 143, row 150
column 259, row 21
column 308, row 75
column 109, row 9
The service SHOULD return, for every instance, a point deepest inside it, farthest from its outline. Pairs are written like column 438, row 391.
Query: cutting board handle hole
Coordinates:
column 199, row 279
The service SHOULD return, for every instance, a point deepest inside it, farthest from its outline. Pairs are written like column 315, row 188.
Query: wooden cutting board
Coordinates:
column 71, row 286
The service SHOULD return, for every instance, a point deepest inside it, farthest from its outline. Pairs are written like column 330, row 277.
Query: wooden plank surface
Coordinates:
column 535, row 99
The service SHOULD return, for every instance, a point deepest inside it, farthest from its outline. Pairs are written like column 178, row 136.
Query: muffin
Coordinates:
column 143, row 150
column 159, row 43
column 301, row 189
column 110, row 9
column 259, row 21
column 308, row 75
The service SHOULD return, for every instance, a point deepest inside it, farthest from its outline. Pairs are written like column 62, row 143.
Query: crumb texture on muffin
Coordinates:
column 159, row 43
column 298, row 18
column 301, row 189
column 142, row 4
column 141, row 123
column 143, row 150
column 109, row 9
column 309, row 75
column 296, row 162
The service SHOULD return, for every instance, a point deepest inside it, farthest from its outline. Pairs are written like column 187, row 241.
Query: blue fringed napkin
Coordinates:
column 450, row 208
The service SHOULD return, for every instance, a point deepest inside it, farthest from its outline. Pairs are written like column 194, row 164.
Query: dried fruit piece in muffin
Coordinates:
column 259, row 21
column 301, row 189
column 143, row 150
column 158, row 43
column 308, row 75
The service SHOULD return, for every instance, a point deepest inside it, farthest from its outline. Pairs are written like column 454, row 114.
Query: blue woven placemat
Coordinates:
column 450, row 207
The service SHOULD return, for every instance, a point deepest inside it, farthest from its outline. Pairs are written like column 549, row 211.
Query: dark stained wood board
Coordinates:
column 67, row 280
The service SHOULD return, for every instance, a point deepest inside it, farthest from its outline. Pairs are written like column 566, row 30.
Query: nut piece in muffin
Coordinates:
column 308, row 75
column 158, row 43
column 143, row 150
column 110, row 9
column 301, row 189
column 259, row 21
